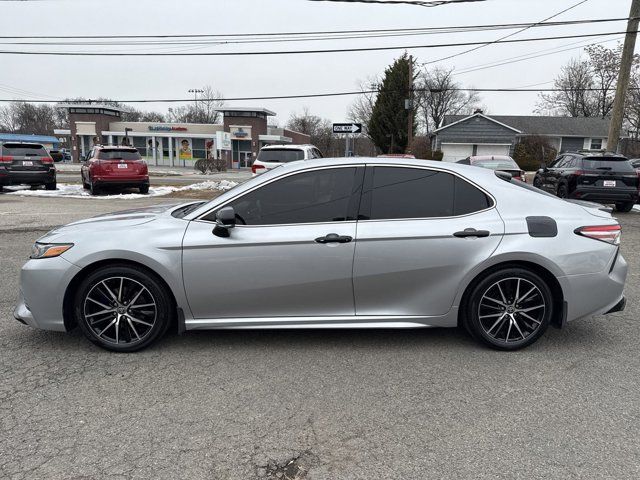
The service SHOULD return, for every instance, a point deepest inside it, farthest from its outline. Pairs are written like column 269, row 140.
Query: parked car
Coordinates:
column 115, row 167
column 635, row 163
column 272, row 156
column 27, row 164
column 501, row 163
column 56, row 155
column 356, row 243
column 595, row 177
column 66, row 155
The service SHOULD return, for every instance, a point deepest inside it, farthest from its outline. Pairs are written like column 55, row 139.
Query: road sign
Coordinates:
column 347, row 128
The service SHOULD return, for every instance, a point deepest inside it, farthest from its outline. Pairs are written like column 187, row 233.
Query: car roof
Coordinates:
column 596, row 153
column 288, row 146
column 490, row 157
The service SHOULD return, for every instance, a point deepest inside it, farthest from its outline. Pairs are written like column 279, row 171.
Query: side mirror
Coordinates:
column 543, row 167
column 225, row 220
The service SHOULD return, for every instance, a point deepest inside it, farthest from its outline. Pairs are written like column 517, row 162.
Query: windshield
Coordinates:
column 280, row 155
column 118, row 154
column 608, row 164
column 496, row 163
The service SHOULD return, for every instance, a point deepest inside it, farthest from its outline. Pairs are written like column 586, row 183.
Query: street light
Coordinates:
column 195, row 92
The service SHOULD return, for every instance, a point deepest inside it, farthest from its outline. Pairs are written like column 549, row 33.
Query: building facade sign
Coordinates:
column 240, row 133
column 167, row 128
column 223, row 140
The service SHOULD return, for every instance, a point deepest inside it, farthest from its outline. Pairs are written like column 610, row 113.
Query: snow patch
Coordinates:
column 76, row 191
column 636, row 208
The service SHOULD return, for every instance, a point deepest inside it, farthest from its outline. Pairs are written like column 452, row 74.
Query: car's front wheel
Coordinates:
column 123, row 308
column 509, row 309
column 624, row 206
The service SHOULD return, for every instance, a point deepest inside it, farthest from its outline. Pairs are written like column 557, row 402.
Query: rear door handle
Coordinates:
column 472, row 232
column 334, row 238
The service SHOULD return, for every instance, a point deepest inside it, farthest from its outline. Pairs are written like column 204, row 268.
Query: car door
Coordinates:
column 420, row 232
column 555, row 173
column 289, row 255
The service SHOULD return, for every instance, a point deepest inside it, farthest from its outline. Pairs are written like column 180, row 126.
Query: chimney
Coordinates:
column 478, row 110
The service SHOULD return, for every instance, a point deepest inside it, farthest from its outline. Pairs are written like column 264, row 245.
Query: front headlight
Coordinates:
column 49, row 250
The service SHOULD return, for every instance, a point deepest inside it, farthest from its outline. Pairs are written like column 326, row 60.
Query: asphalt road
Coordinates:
column 313, row 404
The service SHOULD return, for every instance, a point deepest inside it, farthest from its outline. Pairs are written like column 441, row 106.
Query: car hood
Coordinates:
column 109, row 222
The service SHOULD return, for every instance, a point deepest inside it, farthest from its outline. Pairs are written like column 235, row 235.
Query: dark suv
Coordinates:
column 26, row 163
column 596, row 177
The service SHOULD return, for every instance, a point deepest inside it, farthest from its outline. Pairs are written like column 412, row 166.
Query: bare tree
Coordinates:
column 585, row 88
column 361, row 108
column 21, row 117
column 319, row 129
column 438, row 94
column 203, row 110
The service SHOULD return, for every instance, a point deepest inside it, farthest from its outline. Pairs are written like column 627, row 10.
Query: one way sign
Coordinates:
column 347, row 128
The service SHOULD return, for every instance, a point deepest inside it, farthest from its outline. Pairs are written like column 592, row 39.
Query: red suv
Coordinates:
column 115, row 166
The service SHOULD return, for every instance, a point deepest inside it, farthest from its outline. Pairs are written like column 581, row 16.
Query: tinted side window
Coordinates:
column 311, row 197
column 556, row 162
column 408, row 193
column 468, row 198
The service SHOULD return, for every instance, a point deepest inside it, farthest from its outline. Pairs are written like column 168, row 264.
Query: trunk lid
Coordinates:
column 608, row 172
column 25, row 157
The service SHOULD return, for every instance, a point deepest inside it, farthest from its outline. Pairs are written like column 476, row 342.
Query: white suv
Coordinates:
column 273, row 156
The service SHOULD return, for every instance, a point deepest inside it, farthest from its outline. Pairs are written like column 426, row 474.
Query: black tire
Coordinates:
column 50, row 186
column 85, row 185
column 563, row 192
column 537, row 182
column 94, row 189
column 144, row 189
column 500, row 325
column 131, row 333
column 34, row 187
column 624, row 207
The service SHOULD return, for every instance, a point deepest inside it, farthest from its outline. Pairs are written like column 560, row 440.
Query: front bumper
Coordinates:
column 606, row 195
column 43, row 284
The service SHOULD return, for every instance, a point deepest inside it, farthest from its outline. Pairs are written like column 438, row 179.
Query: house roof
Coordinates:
column 543, row 125
column 462, row 118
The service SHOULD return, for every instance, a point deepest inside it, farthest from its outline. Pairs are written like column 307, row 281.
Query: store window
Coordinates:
column 596, row 144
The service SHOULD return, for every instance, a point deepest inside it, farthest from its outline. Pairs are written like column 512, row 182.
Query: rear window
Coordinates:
column 118, row 154
column 283, row 155
column 19, row 149
column 614, row 164
column 496, row 164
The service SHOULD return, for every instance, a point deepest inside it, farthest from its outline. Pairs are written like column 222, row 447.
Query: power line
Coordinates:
column 220, row 40
column 302, row 52
column 418, row 30
column 502, row 39
column 89, row 102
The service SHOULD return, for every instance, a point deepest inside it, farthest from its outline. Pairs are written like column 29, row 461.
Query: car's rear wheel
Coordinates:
column 85, row 185
column 94, row 189
column 144, row 189
column 509, row 309
column 50, row 186
column 624, row 206
column 562, row 191
column 122, row 308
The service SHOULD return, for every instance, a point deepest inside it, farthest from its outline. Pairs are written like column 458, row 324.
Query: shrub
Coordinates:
column 530, row 152
column 209, row 165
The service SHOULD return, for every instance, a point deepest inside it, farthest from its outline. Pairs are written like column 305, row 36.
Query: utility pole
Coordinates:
column 626, row 62
column 409, row 106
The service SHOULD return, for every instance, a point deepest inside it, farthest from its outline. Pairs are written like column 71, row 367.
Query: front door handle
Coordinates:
column 472, row 232
column 334, row 238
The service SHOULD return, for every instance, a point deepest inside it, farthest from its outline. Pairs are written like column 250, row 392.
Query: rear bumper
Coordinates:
column 131, row 181
column 597, row 293
column 606, row 195
column 34, row 177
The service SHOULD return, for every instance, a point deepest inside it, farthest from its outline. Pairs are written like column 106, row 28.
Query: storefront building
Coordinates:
column 239, row 138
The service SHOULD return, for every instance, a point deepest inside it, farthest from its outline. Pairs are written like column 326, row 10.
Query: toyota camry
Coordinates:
column 333, row 243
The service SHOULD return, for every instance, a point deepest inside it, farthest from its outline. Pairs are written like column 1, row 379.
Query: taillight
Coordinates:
column 6, row 159
column 46, row 159
column 578, row 173
column 605, row 233
column 523, row 176
column 255, row 168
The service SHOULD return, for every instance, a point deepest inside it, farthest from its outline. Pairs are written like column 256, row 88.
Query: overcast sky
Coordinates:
column 171, row 77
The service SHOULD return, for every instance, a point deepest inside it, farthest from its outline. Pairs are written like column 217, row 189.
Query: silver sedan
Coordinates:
column 334, row 243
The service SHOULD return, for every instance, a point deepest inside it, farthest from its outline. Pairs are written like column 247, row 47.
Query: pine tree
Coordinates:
column 389, row 118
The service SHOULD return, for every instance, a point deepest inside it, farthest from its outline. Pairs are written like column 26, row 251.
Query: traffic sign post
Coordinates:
column 348, row 129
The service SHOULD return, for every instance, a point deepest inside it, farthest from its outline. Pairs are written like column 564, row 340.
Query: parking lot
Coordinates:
column 356, row 404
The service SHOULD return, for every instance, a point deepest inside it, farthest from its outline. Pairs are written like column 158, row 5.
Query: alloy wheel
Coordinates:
column 511, row 310
column 120, row 310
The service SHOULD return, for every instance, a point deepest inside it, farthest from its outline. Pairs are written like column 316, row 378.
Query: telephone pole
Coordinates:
column 626, row 62
column 409, row 106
